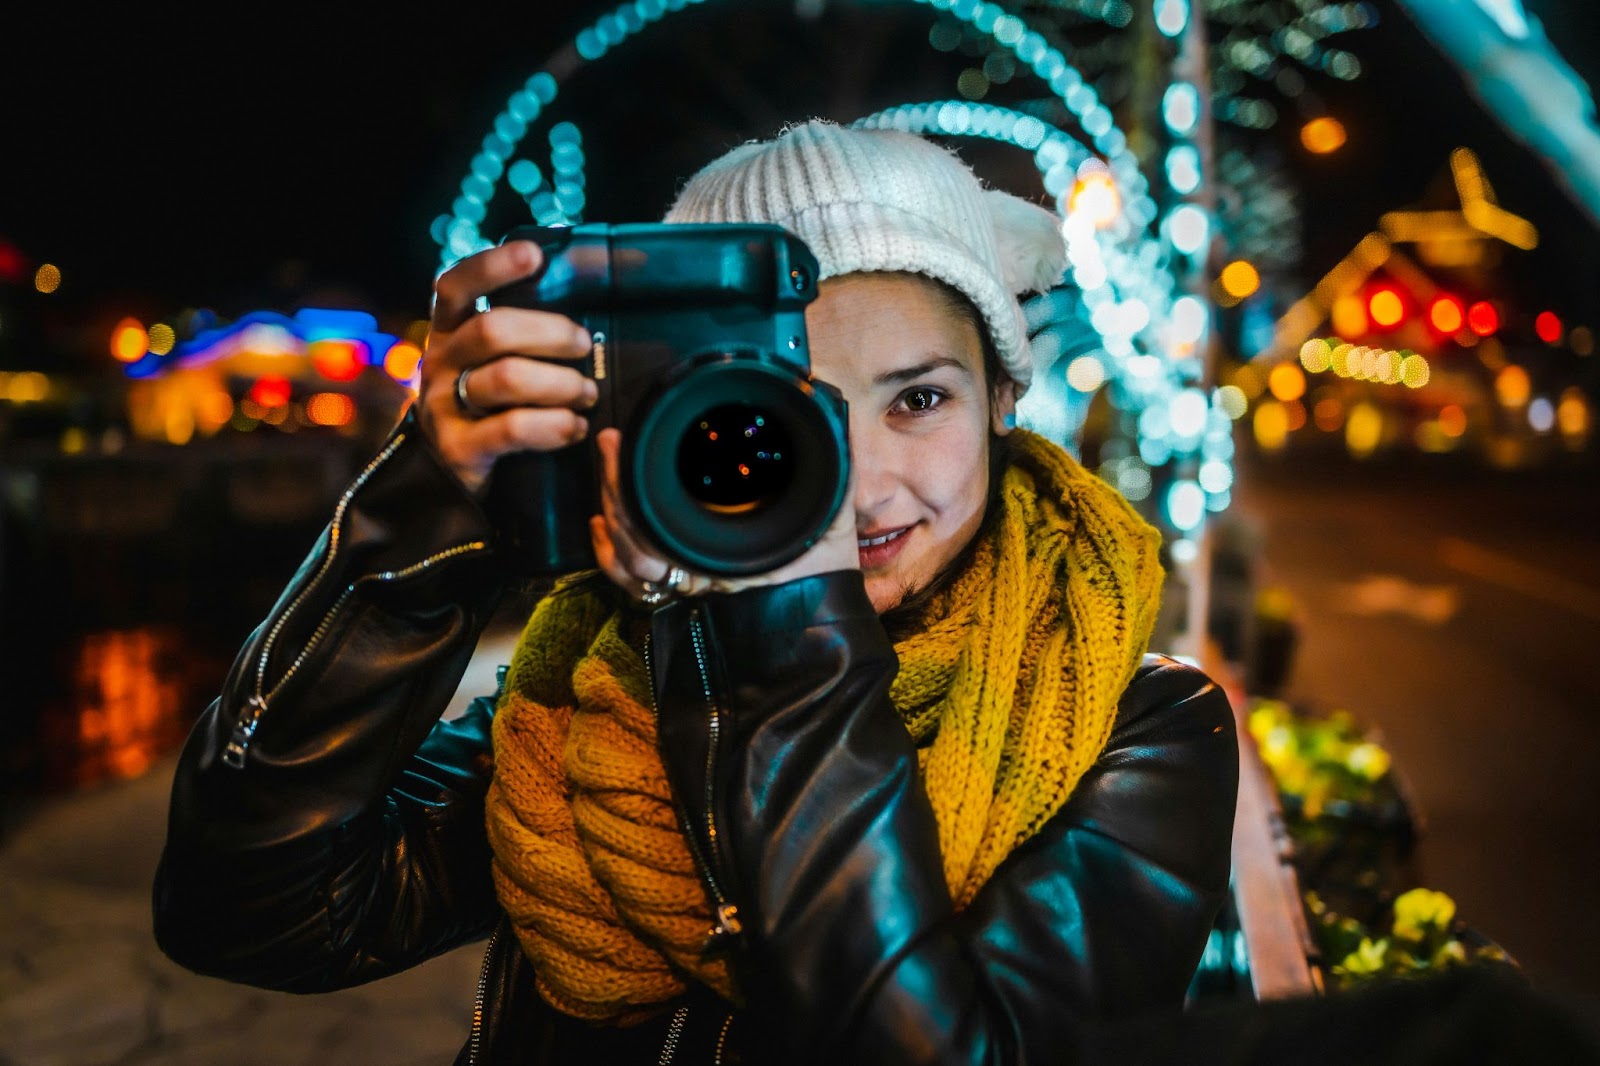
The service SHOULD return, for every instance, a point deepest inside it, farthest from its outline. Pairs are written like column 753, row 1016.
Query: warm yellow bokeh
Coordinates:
column 1363, row 431
column 1240, row 279
column 1512, row 386
column 1287, row 382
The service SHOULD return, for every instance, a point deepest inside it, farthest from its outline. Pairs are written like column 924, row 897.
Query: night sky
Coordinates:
column 293, row 157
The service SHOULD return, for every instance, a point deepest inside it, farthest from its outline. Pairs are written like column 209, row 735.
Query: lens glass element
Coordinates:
column 735, row 458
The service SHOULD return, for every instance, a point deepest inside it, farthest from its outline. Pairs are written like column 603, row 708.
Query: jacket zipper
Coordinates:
column 475, row 1041
column 249, row 720
column 674, row 1034
column 725, row 911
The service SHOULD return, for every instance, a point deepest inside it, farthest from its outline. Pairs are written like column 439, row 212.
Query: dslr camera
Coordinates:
column 734, row 460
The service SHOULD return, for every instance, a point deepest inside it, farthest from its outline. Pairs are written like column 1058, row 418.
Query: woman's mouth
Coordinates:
column 879, row 548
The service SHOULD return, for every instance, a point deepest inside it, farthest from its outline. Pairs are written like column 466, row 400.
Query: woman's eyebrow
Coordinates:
column 896, row 377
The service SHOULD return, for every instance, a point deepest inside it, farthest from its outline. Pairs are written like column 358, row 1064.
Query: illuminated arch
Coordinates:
column 458, row 234
column 1131, row 300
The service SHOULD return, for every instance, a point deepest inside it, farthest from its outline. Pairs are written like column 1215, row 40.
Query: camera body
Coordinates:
column 734, row 461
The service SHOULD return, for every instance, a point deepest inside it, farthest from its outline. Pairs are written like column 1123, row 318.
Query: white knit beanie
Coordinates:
column 886, row 200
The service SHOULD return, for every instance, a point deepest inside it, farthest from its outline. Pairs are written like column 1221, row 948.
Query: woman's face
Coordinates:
column 911, row 367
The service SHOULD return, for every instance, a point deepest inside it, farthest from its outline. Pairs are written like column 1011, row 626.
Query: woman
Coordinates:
column 917, row 796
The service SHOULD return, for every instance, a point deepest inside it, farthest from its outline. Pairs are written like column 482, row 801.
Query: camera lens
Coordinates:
column 735, row 464
column 735, row 458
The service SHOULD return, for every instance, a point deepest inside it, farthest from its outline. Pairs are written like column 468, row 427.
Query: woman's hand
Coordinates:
column 513, row 401
column 643, row 572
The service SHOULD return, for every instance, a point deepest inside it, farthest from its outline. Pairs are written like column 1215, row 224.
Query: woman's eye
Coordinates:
column 919, row 400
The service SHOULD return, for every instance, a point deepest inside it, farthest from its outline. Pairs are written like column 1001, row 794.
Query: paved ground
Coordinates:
column 83, row 984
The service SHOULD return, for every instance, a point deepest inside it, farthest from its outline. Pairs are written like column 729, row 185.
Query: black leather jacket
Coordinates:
column 326, row 829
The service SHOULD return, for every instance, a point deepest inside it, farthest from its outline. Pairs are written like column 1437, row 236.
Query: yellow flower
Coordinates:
column 1368, row 958
column 1265, row 715
column 1450, row 953
column 1367, row 760
column 1420, row 911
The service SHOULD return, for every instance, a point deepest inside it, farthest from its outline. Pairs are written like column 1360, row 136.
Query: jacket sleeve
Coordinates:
column 325, row 829
column 801, row 788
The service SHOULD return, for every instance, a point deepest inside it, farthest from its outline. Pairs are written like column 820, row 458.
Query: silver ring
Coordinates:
column 677, row 581
column 464, row 403
column 653, row 595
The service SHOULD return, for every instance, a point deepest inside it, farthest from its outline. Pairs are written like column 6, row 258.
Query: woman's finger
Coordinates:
column 456, row 292
column 471, row 446
column 517, row 381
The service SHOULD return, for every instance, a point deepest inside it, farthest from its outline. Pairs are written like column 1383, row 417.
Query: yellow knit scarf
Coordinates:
column 1009, row 687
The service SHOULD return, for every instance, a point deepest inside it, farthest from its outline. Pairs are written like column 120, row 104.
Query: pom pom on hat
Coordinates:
column 887, row 200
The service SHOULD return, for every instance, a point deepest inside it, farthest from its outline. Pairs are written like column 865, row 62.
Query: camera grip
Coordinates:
column 539, row 503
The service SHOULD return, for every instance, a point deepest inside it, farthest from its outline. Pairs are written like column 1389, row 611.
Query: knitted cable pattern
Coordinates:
column 1009, row 687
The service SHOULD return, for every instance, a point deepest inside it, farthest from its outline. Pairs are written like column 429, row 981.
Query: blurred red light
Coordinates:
column 1548, row 327
column 13, row 267
column 1482, row 318
column 270, row 391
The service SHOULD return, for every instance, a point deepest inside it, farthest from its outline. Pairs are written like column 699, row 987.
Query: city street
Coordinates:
column 1460, row 616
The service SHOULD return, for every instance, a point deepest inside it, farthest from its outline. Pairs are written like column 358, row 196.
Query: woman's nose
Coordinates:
column 873, row 461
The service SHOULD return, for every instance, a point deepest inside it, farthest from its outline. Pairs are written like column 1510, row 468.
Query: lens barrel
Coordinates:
column 737, row 464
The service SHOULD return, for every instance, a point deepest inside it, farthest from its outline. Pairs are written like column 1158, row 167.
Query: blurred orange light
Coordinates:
column 1446, row 314
column 1452, row 420
column 1240, row 279
column 1328, row 414
column 337, row 360
column 269, row 392
column 129, row 341
column 1287, row 382
column 1323, row 135
column 1386, row 307
column 47, row 278
column 1512, row 385
column 330, row 409
column 1548, row 327
column 402, row 360
column 1482, row 318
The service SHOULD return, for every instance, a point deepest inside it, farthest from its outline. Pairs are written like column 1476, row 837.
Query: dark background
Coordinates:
column 266, row 158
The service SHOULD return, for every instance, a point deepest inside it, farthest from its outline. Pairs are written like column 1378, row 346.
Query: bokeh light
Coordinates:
column 1452, row 420
column 1240, row 279
column 330, row 409
column 1573, row 417
column 1364, row 430
column 1541, row 415
column 1316, row 355
column 1349, row 316
column 162, row 338
column 1323, row 135
column 1512, row 386
column 269, row 391
column 1581, row 341
column 337, row 359
column 1386, row 307
column 129, row 341
column 1482, row 318
column 1447, row 314
column 1548, row 326
column 1287, row 382
column 402, row 361
column 1270, row 426
column 47, row 278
